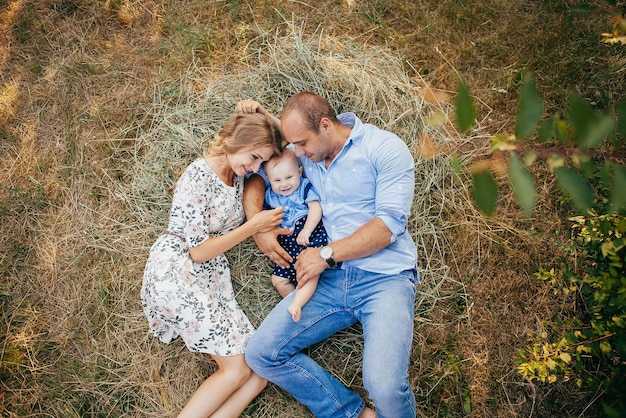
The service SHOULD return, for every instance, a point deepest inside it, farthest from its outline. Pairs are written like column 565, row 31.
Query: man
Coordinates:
column 367, row 273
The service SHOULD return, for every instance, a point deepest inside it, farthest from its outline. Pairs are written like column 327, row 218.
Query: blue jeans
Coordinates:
column 384, row 304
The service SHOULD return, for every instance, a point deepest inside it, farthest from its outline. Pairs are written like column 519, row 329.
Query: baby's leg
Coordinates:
column 284, row 286
column 301, row 297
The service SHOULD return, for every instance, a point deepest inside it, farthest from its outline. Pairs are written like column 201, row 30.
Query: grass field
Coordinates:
column 103, row 104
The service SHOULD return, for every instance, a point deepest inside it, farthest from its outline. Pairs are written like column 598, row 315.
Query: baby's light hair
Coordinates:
column 286, row 155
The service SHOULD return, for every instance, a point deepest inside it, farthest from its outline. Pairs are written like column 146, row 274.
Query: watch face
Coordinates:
column 326, row 252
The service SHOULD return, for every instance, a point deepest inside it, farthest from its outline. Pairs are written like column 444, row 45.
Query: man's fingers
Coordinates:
column 280, row 260
column 284, row 231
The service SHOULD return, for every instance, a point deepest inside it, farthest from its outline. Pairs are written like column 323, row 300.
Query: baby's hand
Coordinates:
column 303, row 238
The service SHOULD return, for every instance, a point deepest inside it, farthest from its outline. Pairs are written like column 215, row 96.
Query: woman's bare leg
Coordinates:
column 238, row 401
column 231, row 374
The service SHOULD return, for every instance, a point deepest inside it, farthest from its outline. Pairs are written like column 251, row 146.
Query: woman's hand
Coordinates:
column 267, row 220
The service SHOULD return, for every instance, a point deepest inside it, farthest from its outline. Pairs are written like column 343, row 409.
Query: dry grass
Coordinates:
column 102, row 104
column 279, row 64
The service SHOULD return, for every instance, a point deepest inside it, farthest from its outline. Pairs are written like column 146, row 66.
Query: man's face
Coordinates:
column 308, row 143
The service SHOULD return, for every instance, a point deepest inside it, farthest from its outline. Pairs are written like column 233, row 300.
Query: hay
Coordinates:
column 369, row 81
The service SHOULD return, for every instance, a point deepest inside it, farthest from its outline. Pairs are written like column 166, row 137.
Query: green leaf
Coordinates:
column 465, row 110
column 553, row 127
column 621, row 112
column 561, row 130
column 467, row 403
column 601, row 126
column 457, row 165
column 618, row 196
column 605, row 347
column 529, row 109
column 547, row 130
column 485, row 192
column 576, row 187
column 609, row 411
column 523, row 185
column 590, row 126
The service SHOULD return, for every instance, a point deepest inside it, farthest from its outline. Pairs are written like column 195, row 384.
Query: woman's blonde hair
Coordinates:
column 242, row 131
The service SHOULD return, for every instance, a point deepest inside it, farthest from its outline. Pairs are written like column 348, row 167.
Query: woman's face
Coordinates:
column 249, row 160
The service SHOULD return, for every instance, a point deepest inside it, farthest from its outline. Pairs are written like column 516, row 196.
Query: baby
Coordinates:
column 302, row 211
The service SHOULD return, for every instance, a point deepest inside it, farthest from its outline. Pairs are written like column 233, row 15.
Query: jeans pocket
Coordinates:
column 412, row 275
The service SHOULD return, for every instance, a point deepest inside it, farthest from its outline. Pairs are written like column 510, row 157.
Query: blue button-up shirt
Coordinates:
column 372, row 176
column 296, row 205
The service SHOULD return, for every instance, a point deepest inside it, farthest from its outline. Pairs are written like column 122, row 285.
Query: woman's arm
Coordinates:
column 263, row 221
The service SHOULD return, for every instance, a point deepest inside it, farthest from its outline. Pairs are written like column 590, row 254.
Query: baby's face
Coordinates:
column 284, row 177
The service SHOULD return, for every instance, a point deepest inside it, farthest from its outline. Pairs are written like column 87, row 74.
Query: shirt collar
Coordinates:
column 350, row 120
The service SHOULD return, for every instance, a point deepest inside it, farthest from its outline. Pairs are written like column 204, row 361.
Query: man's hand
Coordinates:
column 250, row 106
column 268, row 245
column 309, row 265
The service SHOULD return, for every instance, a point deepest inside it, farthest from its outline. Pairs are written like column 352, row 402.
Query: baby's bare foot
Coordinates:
column 295, row 312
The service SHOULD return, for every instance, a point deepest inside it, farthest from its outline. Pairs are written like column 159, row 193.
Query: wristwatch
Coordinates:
column 327, row 254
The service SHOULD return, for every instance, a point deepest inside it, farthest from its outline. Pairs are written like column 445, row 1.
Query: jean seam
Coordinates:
column 299, row 331
column 336, row 402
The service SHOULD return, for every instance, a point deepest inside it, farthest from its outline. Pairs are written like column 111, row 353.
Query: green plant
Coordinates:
column 584, row 152
column 589, row 347
column 573, row 155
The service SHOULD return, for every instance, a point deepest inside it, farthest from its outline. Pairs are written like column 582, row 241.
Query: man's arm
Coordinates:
column 253, row 198
column 370, row 238
column 394, row 194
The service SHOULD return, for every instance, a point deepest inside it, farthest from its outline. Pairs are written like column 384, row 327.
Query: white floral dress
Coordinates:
column 183, row 298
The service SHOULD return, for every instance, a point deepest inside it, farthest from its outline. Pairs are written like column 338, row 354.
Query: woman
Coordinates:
column 187, row 290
